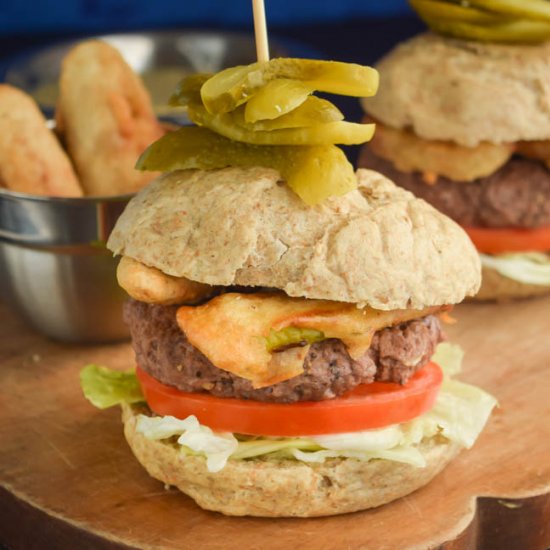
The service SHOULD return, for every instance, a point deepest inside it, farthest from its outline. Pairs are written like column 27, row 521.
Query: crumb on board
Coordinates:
column 510, row 505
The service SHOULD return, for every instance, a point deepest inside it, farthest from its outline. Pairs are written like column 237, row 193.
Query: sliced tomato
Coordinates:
column 499, row 241
column 366, row 407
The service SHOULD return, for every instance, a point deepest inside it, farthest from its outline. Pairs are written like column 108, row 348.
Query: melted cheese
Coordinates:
column 231, row 329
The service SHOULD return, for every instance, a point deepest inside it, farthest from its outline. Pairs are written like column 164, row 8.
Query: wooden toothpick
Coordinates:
column 260, row 30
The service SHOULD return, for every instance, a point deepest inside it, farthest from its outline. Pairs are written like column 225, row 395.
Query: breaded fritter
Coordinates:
column 31, row 158
column 106, row 118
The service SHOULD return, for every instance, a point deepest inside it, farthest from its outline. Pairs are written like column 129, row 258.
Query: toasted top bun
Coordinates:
column 377, row 246
column 466, row 92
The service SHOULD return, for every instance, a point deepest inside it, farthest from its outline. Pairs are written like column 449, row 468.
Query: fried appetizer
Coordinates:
column 106, row 118
column 31, row 158
column 152, row 286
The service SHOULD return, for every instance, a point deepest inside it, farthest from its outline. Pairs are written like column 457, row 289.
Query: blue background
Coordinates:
column 28, row 16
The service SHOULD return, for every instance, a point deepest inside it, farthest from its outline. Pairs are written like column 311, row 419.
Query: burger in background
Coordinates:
column 465, row 125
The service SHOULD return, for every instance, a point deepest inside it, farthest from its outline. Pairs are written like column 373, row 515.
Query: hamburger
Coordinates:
column 289, row 355
column 465, row 126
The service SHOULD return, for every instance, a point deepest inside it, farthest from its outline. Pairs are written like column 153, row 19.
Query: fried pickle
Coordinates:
column 31, row 158
column 106, row 118
column 538, row 150
column 409, row 153
column 150, row 285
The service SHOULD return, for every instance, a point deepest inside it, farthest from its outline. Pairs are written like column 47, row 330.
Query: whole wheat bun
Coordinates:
column 495, row 286
column 465, row 92
column 377, row 246
column 284, row 488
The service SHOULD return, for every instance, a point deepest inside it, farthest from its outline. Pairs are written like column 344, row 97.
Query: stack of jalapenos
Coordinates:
column 265, row 114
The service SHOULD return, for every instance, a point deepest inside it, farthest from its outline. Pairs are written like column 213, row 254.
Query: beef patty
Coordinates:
column 516, row 195
column 163, row 351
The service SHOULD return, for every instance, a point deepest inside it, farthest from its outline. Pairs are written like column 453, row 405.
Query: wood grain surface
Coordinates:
column 68, row 479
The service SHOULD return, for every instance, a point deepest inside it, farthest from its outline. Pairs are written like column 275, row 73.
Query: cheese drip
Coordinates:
column 231, row 330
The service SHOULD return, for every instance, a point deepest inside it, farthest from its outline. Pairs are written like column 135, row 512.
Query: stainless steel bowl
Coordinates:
column 55, row 269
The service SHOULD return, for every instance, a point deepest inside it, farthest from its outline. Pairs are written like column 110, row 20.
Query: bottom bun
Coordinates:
column 495, row 286
column 284, row 487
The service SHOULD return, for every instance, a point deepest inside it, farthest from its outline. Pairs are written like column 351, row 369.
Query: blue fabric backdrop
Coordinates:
column 25, row 16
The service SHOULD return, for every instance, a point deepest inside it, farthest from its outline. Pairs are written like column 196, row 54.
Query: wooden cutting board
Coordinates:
column 68, row 480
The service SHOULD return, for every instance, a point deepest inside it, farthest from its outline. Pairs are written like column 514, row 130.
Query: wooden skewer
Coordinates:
column 260, row 30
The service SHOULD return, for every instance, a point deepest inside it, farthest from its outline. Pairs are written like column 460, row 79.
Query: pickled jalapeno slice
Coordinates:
column 436, row 9
column 278, row 97
column 189, row 89
column 313, row 173
column 288, row 337
column 522, row 31
column 232, row 87
column 528, row 9
column 314, row 110
column 345, row 133
column 508, row 21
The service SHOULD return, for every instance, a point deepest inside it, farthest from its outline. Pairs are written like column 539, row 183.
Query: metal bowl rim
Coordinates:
column 281, row 44
column 28, row 197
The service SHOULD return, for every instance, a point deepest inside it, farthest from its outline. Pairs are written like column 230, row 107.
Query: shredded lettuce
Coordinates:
column 527, row 267
column 461, row 411
column 217, row 447
column 459, row 414
column 408, row 455
column 449, row 357
column 105, row 387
